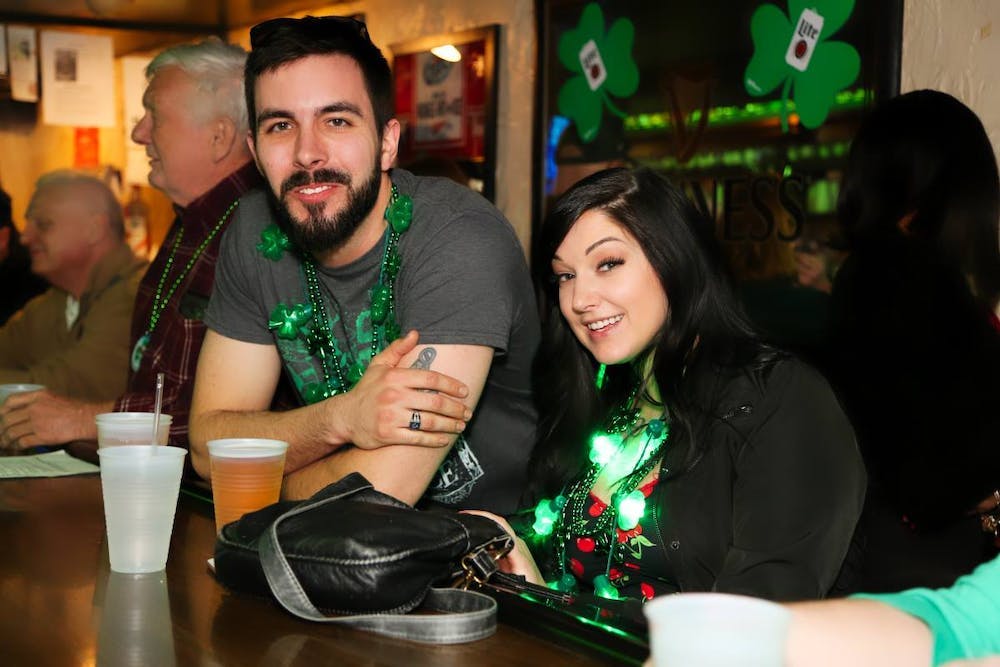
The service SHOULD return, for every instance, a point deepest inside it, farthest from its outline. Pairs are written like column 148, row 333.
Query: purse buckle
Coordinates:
column 481, row 564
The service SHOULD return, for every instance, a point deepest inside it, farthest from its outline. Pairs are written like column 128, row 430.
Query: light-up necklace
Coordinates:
column 565, row 516
column 310, row 320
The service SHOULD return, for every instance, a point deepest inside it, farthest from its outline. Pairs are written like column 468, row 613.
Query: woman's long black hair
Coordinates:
column 705, row 326
column 927, row 154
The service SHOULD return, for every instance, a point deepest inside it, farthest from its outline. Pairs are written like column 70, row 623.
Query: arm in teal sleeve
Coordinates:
column 964, row 619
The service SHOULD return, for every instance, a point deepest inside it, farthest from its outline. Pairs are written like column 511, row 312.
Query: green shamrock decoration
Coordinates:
column 273, row 243
column 605, row 67
column 289, row 321
column 794, row 50
column 399, row 213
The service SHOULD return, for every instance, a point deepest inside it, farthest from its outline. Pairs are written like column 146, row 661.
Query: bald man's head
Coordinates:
column 72, row 221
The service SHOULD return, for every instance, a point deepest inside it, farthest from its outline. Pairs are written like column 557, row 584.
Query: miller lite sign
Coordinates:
column 804, row 38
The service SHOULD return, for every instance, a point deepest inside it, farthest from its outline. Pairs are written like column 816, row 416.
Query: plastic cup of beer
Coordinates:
column 140, row 484
column 130, row 428
column 716, row 630
column 8, row 389
column 246, row 475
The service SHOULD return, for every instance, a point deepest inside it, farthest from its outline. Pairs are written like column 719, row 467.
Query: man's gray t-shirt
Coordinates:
column 463, row 281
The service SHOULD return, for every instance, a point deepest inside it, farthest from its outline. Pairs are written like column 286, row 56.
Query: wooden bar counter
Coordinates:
column 60, row 604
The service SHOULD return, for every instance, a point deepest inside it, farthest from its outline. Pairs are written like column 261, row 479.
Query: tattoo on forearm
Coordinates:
column 425, row 358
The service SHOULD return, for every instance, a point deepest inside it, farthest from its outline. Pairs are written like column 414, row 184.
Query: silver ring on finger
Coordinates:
column 415, row 421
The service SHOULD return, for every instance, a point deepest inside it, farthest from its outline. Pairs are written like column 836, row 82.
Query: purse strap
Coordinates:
column 468, row 615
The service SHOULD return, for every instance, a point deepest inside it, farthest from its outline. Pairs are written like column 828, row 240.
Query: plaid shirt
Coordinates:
column 175, row 343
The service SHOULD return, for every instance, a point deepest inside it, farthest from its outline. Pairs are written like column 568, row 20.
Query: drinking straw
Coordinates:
column 158, row 406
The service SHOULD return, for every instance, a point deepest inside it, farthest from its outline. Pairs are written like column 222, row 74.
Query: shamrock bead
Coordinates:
column 287, row 321
column 400, row 213
column 273, row 243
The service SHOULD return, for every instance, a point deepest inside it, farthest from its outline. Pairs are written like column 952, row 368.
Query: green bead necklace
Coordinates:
column 161, row 300
column 311, row 321
column 566, row 516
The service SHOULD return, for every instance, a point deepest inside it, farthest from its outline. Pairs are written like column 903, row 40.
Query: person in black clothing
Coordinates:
column 19, row 283
column 916, row 343
column 677, row 452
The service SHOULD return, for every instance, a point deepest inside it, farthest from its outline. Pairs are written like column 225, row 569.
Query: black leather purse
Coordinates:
column 369, row 559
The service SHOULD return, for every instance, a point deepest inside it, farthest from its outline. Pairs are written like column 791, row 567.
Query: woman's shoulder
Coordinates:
column 770, row 380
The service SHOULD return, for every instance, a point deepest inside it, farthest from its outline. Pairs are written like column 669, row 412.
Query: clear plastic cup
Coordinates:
column 130, row 428
column 716, row 630
column 246, row 475
column 140, row 484
column 8, row 389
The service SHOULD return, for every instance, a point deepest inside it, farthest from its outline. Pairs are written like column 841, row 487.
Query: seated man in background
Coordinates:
column 340, row 256
column 19, row 284
column 74, row 338
column 193, row 131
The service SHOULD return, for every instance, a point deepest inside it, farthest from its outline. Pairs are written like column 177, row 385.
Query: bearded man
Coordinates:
column 400, row 307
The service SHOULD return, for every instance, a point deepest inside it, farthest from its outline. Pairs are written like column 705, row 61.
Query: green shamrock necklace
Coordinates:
column 310, row 321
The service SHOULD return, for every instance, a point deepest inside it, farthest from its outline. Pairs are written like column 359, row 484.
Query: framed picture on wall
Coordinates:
column 446, row 102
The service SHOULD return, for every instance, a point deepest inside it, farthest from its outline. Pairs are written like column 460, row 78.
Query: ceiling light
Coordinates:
column 447, row 52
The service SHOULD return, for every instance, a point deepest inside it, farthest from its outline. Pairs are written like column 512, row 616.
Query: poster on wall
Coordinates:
column 77, row 79
column 446, row 103
column 22, row 59
column 134, row 85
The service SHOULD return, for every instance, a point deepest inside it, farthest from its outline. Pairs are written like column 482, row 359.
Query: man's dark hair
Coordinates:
column 281, row 41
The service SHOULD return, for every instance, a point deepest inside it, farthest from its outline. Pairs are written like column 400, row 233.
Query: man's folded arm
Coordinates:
column 403, row 471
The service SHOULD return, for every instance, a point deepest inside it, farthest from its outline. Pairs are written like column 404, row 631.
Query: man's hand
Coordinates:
column 383, row 403
column 38, row 418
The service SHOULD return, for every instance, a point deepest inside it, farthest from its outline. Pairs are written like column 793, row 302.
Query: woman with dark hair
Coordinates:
column 915, row 332
column 677, row 452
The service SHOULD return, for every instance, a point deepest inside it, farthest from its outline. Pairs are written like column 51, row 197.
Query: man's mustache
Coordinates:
column 301, row 178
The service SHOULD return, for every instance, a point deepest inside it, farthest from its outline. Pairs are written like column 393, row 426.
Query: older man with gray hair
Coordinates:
column 194, row 132
column 74, row 337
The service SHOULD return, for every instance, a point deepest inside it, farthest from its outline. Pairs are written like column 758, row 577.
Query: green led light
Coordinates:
column 631, row 508
column 749, row 112
column 603, row 448
column 565, row 583
column 546, row 514
column 603, row 588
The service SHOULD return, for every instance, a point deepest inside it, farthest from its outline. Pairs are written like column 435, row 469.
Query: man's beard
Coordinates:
column 318, row 233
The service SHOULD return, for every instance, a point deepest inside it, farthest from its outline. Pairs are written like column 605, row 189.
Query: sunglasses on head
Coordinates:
column 314, row 26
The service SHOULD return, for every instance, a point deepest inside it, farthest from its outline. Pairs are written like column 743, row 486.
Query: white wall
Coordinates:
column 954, row 46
